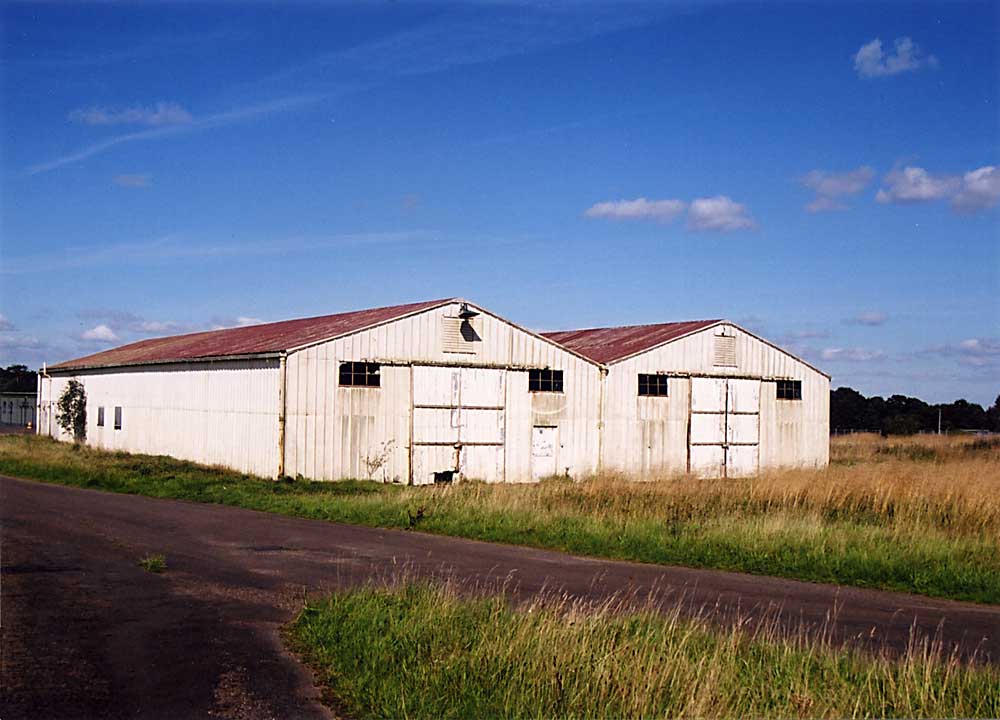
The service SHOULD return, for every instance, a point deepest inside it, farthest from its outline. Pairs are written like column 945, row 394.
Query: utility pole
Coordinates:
column 939, row 420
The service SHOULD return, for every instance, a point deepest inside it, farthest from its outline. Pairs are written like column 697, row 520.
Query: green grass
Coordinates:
column 153, row 563
column 419, row 651
column 905, row 525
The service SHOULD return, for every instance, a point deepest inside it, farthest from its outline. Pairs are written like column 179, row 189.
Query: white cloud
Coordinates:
column 5, row 324
column 239, row 321
column 981, row 352
column 638, row 209
column 871, row 318
column 915, row 184
column 852, row 354
column 163, row 113
column 718, row 214
column 872, row 61
column 99, row 333
column 133, row 181
column 830, row 187
column 980, row 190
column 975, row 190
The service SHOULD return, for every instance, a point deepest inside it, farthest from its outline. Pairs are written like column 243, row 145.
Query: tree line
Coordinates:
column 903, row 415
column 18, row 378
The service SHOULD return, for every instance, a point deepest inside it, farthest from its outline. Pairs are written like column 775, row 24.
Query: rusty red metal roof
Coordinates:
column 607, row 345
column 249, row 340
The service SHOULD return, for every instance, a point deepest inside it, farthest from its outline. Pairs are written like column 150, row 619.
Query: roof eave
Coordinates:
column 176, row 361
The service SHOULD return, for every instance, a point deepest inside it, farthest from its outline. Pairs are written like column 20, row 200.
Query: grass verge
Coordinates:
column 419, row 651
column 890, row 520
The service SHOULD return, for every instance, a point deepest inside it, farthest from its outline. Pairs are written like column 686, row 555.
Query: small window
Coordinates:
column 789, row 389
column 360, row 374
column 460, row 335
column 653, row 385
column 100, row 416
column 545, row 381
column 118, row 417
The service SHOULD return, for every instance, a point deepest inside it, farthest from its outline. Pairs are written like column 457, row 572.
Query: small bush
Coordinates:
column 153, row 563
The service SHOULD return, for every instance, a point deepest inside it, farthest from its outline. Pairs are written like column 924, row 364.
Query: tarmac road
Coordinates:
column 86, row 633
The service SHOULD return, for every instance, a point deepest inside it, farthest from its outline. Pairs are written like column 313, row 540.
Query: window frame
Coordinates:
column 545, row 380
column 100, row 416
column 118, row 417
column 660, row 387
column 359, row 374
column 790, row 390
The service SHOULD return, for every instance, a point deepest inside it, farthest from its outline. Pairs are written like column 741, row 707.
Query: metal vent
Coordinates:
column 460, row 335
column 725, row 351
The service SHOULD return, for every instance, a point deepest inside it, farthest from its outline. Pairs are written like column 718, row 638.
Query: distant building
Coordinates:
column 18, row 408
column 443, row 389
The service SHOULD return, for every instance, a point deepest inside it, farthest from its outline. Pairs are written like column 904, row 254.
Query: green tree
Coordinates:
column 73, row 410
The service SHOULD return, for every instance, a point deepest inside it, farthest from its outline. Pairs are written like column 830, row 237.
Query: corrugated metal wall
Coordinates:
column 649, row 434
column 222, row 413
column 332, row 429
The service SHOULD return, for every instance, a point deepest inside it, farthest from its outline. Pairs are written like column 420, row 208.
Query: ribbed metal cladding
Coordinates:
column 333, row 430
column 220, row 413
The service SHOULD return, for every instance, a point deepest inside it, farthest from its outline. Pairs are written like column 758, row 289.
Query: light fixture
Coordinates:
column 465, row 312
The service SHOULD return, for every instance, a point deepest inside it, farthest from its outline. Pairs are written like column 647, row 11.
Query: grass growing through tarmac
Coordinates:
column 917, row 515
column 153, row 563
column 418, row 651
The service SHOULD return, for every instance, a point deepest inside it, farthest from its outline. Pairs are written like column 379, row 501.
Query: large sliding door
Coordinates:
column 725, row 427
column 458, row 423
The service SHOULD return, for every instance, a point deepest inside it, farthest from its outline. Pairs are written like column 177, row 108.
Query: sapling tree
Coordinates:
column 72, row 407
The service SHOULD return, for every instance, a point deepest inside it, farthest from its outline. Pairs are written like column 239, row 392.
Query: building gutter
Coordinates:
column 282, row 409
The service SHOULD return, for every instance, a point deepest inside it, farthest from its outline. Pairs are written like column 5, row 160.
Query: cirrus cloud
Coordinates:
column 852, row 354
column 163, row 113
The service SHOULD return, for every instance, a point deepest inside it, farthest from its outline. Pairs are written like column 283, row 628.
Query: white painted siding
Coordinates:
column 650, row 434
column 332, row 429
column 221, row 413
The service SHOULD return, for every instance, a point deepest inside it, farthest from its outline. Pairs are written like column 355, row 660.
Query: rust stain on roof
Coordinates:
column 249, row 340
column 606, row 345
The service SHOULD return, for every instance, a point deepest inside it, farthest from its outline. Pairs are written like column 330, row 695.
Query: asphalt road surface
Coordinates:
column 86, row 633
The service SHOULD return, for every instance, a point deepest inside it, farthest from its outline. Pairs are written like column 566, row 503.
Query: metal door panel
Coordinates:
column 708, row 394
column 743, row 429
column 438, row 386
column 482, row 462
column 436, row 425
column 707, row 460
column 482, row 387
column 543, row 451
column 481, row 426
column 430, row 459
column 742, row 460
column 744, row 396
column 708, row 428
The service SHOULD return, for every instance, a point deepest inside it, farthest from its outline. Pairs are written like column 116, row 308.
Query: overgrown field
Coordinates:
column 919, row 515
column 418, row 651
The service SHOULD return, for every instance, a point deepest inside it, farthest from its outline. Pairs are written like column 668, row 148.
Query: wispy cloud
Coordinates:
column 973, row 191
column 872, row 61
column 204, row 123
column 872, row 318
column 977, row 352
column 163, row 113
column 5, row 324
column 239, row 321
column 133, row 181
column 852, row 354
column 718, row 214
column 638, row 209
column 171, row 248
column 831, row 187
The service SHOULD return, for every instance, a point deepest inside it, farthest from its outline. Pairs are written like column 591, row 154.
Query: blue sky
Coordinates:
column 824, row 174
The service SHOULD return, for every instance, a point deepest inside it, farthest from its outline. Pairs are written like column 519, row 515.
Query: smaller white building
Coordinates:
column 705, row 397
column 18, row 408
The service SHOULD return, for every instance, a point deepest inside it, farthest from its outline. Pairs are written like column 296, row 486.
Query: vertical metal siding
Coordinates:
column 223, row 413
column 791, row 433
column 346, row 424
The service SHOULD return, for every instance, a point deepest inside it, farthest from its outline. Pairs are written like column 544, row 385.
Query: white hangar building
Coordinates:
column 423, row 392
